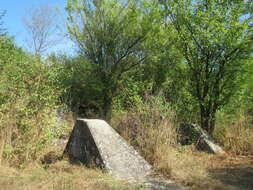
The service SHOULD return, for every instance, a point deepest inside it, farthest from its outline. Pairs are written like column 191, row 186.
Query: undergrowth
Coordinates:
column 235, row 134
column 151, row 127
column 59, row 176
column 52, row 172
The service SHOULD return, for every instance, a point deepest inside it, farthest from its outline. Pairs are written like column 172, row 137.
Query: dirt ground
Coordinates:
column 217, row 172
column 234, row 171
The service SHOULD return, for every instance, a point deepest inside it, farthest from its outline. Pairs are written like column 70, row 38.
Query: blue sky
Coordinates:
column 17, row 9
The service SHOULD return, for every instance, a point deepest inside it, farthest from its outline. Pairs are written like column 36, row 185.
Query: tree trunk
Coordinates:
column 107, row 108
column 207, row 120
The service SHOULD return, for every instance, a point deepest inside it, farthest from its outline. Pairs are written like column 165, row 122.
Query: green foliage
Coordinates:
column 110, row 35
column 80, row 86
column 215, row 38
column 27, row 104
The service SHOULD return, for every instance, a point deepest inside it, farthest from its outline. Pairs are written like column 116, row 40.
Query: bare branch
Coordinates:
column 41, row 24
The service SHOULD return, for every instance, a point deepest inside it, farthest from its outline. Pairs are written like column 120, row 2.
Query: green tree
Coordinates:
column 215, row 38
column 110, row 35
column 81, row 88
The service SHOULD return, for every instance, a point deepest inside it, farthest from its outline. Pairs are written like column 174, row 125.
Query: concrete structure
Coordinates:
column 94, row 142
column 192, row 133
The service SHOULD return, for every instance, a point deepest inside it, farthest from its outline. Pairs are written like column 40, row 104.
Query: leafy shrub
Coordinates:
column 28, row 104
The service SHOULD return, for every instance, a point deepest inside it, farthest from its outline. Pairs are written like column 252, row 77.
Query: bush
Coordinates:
column 28, row 104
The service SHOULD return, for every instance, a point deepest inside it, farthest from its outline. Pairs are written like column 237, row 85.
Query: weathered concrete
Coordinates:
column 207, row 143
column 59, row 142
column 95, row 142
column 192, row 133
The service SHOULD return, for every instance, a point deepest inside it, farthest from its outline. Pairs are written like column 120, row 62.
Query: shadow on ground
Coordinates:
column 238, row 176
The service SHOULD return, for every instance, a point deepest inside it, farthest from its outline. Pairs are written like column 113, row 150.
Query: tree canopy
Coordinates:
column 215, row 38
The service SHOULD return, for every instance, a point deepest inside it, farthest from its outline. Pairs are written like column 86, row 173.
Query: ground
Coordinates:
column 197, row 171
column 216, row 172
column 234, row 171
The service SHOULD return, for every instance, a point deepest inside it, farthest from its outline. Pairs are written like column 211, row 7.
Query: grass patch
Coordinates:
column 59, row 176
column 51, row 172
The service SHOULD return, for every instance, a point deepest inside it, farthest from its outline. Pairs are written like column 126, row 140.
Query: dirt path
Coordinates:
column 235, row 171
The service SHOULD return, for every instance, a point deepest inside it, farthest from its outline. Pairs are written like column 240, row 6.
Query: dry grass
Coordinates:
column 49, row 171
column 59, row 175
column 152, row 132
column 199, row 170
column 236, row 136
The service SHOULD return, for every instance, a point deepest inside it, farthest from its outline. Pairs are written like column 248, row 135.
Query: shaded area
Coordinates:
column 81, row 146
column 240, row 176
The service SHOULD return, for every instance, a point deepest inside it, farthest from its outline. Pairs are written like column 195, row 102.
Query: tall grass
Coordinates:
column 235, row 134
column 151, row 127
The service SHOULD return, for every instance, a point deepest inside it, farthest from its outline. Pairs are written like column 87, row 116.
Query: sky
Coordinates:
column 16, row 10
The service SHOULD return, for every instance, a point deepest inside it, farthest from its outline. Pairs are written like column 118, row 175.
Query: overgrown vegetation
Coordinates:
column 145, row 66
column 60, row 176
column 151, row 128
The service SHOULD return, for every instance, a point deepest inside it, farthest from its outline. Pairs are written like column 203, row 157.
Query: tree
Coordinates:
column 215, row 38
column 41, row 24
column 110, row 35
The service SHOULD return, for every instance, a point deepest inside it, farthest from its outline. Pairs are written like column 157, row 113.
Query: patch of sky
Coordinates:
column 16, row 10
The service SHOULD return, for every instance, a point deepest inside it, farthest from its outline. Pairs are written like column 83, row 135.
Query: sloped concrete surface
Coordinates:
column 192, row 133
column 119, row 159
column 207, row 143
column 94, row 141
